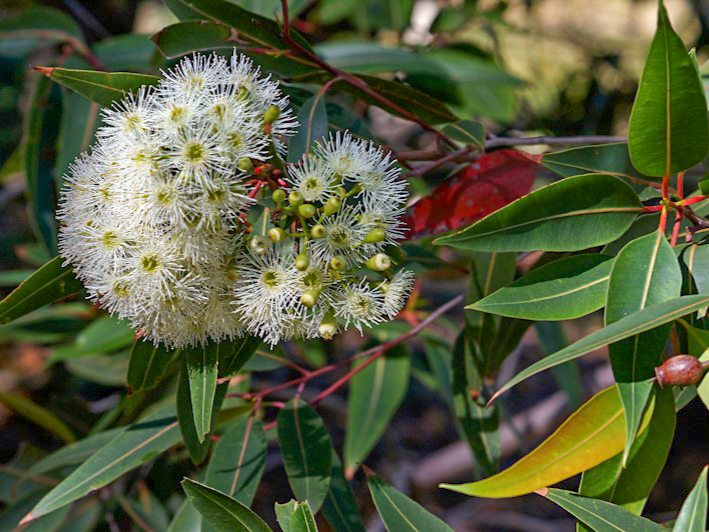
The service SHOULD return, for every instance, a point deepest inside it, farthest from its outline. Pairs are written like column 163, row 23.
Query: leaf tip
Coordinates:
column 366, row 470
column 47, row 71
column 542, row 491
column 26, row 519
column 493, row 398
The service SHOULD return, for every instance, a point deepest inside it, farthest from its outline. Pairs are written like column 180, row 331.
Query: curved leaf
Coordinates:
column 668, row 130
column 568, row 215
column 306, row 449
column 201, row 363
column 600, row 515
column 466, row 132
column 645, row 273
column 375, row 395
column 561, row 290
column 101, row 87
column 312, row 118
column 636, row 323
column 611, row 159
column 37, row 415
column 591, row 435
column 400, row 513
column 139, row 443
column 149, row 363
column 102, row 336
column 340, row 506
column 221, row 511
column 295, row 516
column 693, row 515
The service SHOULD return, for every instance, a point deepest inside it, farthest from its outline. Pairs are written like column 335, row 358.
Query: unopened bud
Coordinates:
column 306, row 210
column 317, row 231
column 374, row 236
column 271, row 114
column 332, row 205
column 379, row 262
column 295, row 198
column 302, row 262
column 338, row 263
column 258, row 245
column 278, row 196
column 245, row 164
column 328, row 327
column 679, row 370
column 310, row 297
column 276, row 234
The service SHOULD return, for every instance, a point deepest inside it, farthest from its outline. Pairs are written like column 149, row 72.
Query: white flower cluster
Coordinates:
column 155, row 220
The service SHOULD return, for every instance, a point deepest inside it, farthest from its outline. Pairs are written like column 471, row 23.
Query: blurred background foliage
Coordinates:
column 522, row 67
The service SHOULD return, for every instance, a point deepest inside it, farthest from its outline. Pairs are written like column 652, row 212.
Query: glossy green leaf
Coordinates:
column 197, row 444
column 696, row 258
column 37, row 414
column 399, row 512
column 306, row 450
column 568, row 375
column 692, row 516
column 295, row 516
column 478, row 423
column 201, row 363
column 238, row 460
column 128, row 52
column 629, row 486
column 101, row 87
column 641, row 226
column 668, row 130
column 222, row 512
column 364, row 57
column 591, row 435
column 374, row 396
column 236, row 354
column 139, row 443
column 467, row 132
column 568, row 215
column 600, row 515
column 703, row 386
column 146, row 509
column 561, row 290
column 102, row 336
column 73, row 453
column 312, row 118
column 186, row 519
column 636, row 323
column 106, row 370
column 340, row 506
column 645, row 273
column 196, row 35
column 149, row 363
column 38, row 27
column 612, row 159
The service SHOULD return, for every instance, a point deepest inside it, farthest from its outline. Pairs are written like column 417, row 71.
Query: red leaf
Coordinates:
column 484, row 186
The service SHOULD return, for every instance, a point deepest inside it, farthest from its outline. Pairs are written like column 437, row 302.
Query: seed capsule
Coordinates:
column 302, row 262
column 374, row 236
column 338, row 263
column 328, row 327
column 679, row 370
column 309, row 297
column 278, row 196
column 332, row 205
column 245, row 164
column 306, row 210
column 276, row 234
column 295, row 198
column 379, row 262
column 317, row 231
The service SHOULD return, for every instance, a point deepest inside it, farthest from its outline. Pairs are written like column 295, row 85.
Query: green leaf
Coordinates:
column 238, row 460
column 693, row 514
column 312, row 118
column 400, row 513
column 641, row 226
column 552, row 338
column 375, row 395
column 197, row 444
column 73, row 453
column 568, row 215
column 149, row 363
column 128, row 52
column 107, row 370
column 306, row 449
column 629, row 486
column 467, row 132
column 478, row 424
column 37, row 415
column 340, row 506
column 138, row 444
column 201, row 364
column 612, row 159
column 101, row 87
column 600, row 515
column 668, row 130
column 104, row 335
column 192, row 35
column 295, row 516
column 561, row 290
column 591, row 435
column 636, row 323
column 645, row 273
column 696, row 258
column 222, row 512
column 38, row 27
column 187, row 519
column 235, row 355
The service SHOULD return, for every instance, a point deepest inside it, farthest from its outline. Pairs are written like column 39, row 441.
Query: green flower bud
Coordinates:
column 276, row 234
column 317, row 231
column 295, row 198
column 374, row 236
column 338, row 263
column 379, row 262
column 306, row 210
column 328, row 327
column 245, row 164
column 258, row 245
column 302, row 262
column 279, row 195
column 309, row 297
column 271, row 114
column 332, row 205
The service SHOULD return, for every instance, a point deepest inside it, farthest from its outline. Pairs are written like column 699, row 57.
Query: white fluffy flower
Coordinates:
column 360, row 305
column 314, row 180
column 396, row 292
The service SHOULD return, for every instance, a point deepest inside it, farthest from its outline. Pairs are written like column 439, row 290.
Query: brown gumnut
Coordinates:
column 679, row 370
